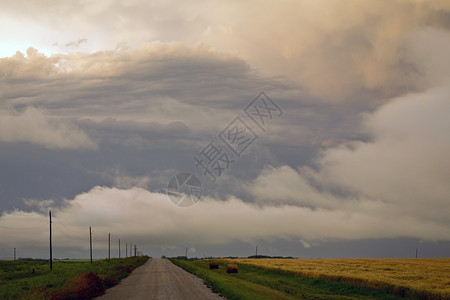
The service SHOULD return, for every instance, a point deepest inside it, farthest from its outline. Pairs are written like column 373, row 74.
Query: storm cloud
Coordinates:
column 102, row 103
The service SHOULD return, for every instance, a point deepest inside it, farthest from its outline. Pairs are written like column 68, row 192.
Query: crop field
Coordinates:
column 422, row 278
column 71, row 279
column 254, row 283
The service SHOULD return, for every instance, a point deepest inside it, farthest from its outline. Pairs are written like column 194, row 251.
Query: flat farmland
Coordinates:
column 422, row 278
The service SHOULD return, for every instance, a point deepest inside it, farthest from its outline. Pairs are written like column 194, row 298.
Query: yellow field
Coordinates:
column 427, row 278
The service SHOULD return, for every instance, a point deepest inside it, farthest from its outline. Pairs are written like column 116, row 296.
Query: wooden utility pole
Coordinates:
column 417, row 250
column 90, row 243
column 51, row 255
column 119, row 248
column 186, row 253
column 14, row 254
column 109, row 245
column 134, row 249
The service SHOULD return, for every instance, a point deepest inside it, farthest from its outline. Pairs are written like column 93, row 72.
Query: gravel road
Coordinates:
column 160, row 279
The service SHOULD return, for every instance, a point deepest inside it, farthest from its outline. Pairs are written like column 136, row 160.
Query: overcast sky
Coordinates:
column 103, row 102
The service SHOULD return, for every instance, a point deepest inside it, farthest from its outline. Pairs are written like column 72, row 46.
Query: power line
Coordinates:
column 68, row 227
column 72, row 237
column 76, row 235
column 23, row 228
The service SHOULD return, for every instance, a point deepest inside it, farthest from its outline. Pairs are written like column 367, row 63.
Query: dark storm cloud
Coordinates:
column 141, row 112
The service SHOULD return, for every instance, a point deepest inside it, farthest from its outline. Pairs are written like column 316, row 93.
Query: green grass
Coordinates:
column 19, row 281
column 255, row 283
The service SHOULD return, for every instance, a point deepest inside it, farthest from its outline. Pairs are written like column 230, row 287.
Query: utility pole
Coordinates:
column 134, row 249
column 126, row 250
column 51, row 255
column 90, row 243
column 14, row 254
column 109, row 245
column 417, row 250
column 256, row 251
column 119, row 248
column 186, row 253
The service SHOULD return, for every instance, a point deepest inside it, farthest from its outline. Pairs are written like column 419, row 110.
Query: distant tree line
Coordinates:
column 226, row 257
column 268, row 256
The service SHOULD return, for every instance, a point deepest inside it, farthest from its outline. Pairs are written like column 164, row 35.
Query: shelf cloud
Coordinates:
column 102, row 103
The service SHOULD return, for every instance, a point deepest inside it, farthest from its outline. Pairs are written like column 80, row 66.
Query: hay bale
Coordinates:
column 86, row 286
column 213, row 265
column 232, row 268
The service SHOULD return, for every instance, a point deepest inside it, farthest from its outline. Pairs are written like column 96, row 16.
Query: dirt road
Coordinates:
column 160, row 279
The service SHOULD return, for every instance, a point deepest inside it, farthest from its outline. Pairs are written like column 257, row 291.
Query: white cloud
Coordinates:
column 305, row 244
column 429, row 48
column 407, row 163
column 334, row 49
column 128, row 182
column 286, row 186
column 151, row 219
column 402, row 173
column 36, row 127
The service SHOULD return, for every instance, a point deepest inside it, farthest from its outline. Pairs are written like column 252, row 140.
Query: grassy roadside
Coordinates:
column 68, row 279
column 253, row 282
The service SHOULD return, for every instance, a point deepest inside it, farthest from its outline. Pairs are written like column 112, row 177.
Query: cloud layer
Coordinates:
column 113, row 98
column 394, row 186
column 336, row 50
column 34, row 126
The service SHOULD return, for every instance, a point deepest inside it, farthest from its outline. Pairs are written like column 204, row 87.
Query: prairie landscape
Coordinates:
column 196, row 129
column 423, row 278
